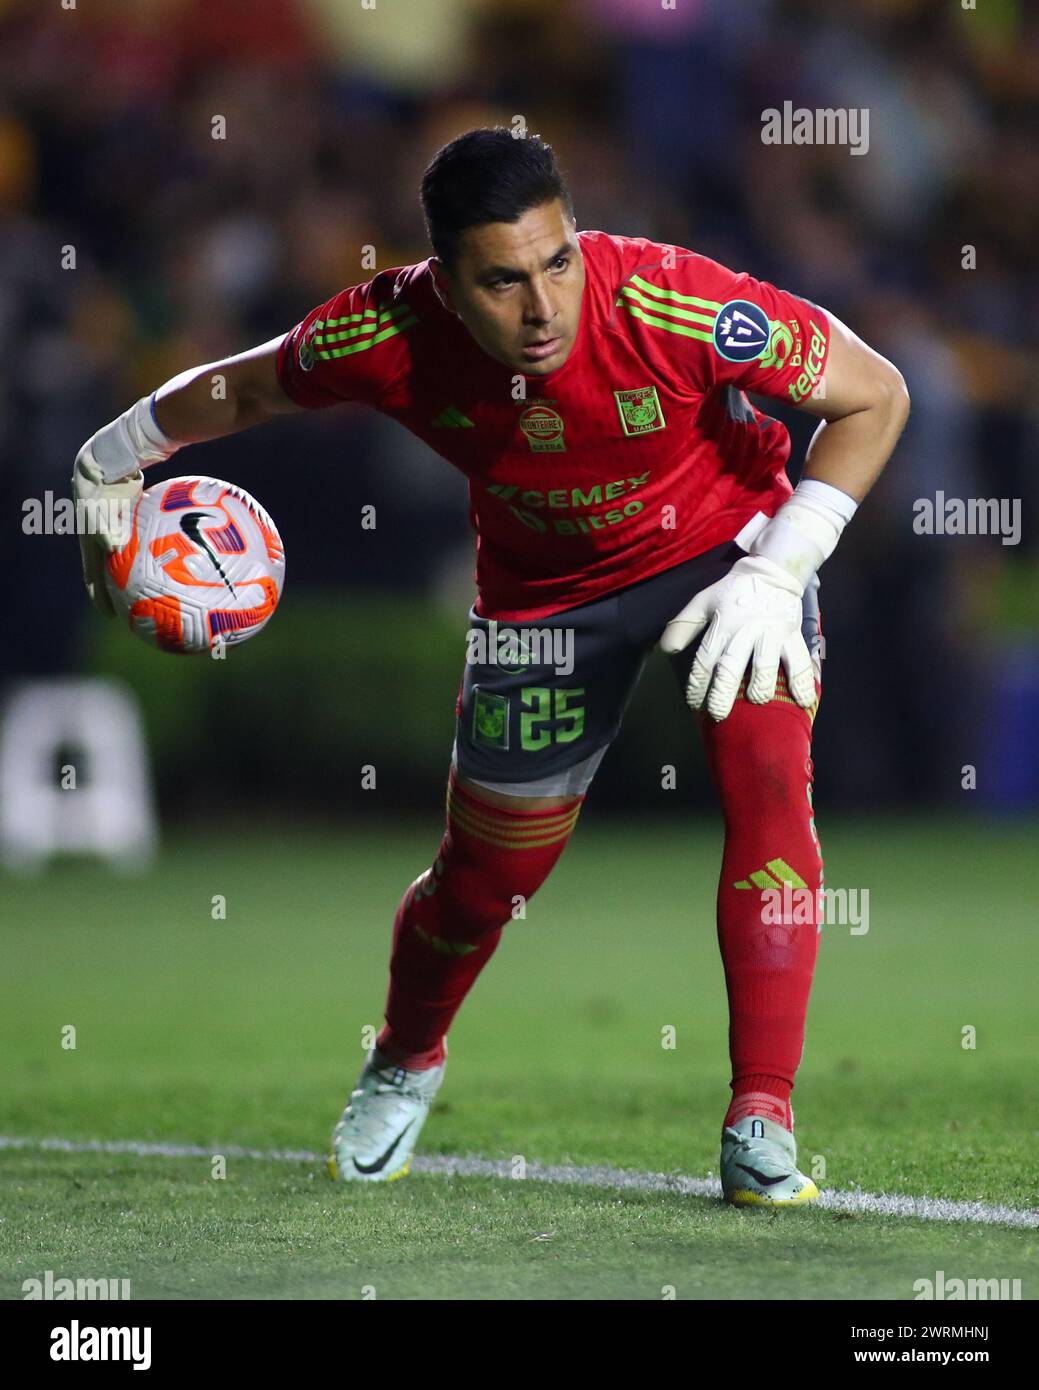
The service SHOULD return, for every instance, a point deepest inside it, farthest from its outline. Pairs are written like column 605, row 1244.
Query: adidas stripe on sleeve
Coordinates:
column 348, row 349
column 716, row 327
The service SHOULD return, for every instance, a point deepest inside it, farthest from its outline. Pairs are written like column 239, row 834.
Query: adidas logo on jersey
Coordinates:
column 453, row 419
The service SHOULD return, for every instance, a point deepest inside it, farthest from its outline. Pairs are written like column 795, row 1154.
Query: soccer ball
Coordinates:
column 203, row 566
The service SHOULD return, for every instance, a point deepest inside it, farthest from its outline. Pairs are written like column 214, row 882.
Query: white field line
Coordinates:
column 451, row 1165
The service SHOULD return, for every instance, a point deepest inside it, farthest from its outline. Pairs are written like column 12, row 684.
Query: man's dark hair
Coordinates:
column 487, row 175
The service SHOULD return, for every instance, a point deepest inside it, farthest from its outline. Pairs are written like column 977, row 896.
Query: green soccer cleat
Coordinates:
column 375, row 1139
column 759, row 1166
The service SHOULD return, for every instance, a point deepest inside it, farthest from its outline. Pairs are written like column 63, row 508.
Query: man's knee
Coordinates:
column 509, row 801
column 761, row 753
column 496, row 853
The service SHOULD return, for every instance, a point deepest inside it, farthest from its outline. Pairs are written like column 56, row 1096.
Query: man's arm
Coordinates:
column 189, row 409
column 753, row 615
column 864, row 405
column 347, row 349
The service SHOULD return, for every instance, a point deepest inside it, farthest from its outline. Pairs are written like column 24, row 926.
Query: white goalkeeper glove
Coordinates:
column 106, row 483
column 753, row 614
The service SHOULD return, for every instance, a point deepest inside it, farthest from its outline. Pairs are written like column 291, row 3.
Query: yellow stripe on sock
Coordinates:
column 507, row 831
column 457, row 807
column 529, row 837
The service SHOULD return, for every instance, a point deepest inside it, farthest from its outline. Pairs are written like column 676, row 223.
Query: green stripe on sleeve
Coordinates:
column 692, row 315
column 326, row 354
column 659, row 292
column 669, row 324
column 371, row 321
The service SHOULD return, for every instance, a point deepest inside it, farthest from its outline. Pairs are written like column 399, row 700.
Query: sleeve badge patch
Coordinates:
column 741, row 331
column 306, row 348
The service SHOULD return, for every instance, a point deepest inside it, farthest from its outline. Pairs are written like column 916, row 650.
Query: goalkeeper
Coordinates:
column 626, row 494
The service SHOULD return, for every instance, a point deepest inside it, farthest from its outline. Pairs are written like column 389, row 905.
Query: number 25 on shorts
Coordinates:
column 549, row 716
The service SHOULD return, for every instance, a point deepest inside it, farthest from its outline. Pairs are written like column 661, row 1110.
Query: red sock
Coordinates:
column 760, row 759
column 450, row 920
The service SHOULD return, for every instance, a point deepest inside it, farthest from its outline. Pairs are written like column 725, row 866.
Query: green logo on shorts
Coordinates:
column 491, row 719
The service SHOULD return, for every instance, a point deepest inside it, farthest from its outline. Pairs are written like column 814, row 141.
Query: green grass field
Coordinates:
column 247, row 1031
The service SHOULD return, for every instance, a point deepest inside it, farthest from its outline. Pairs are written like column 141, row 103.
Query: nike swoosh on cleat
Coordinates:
column 761, row 1178
column 380, row 1163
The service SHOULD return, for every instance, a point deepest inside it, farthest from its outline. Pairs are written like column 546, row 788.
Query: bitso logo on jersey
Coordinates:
column 741, row 331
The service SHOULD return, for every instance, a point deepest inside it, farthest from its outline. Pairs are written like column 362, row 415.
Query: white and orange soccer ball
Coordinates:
column 203, row 566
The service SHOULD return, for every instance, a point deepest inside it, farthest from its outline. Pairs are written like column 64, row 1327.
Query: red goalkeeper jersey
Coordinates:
column 636, row 454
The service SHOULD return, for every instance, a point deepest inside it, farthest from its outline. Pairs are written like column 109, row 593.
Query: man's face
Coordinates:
column 517, row 287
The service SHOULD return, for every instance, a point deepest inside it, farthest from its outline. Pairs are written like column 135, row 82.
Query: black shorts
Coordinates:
column 541, row 701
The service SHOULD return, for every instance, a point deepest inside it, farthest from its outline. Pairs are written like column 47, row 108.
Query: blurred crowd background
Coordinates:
column 188, row 248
